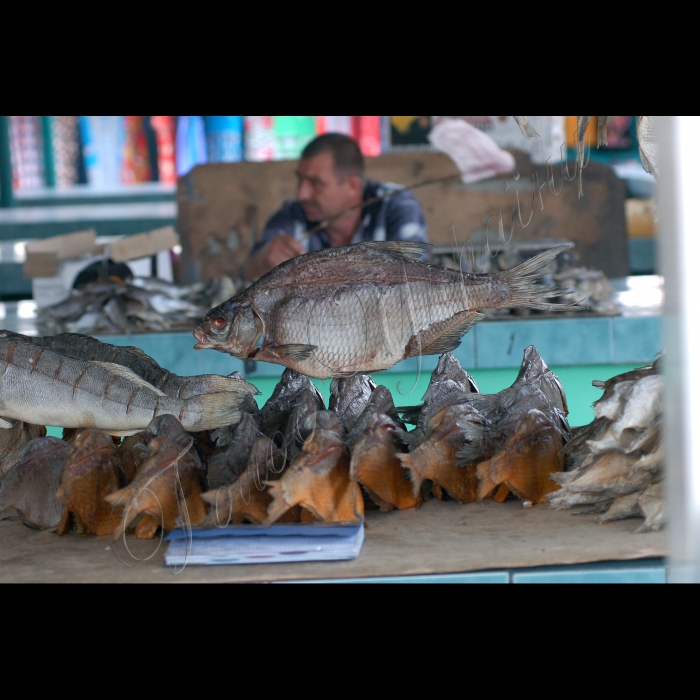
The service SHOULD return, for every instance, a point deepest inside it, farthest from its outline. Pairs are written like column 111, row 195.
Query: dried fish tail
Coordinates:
column 525, row 289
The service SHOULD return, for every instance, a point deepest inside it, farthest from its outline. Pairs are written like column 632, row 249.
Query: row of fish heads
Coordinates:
column 142, row 305
column 293, row 459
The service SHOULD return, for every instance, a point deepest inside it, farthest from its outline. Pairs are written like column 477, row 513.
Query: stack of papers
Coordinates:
column 253, row 544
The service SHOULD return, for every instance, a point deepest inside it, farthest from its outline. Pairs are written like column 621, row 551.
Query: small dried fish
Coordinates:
column 319, row 479
column 616, row 461
column 248, row 498
column 31, row 484
column 90, row 473
column 525, row 460
column 14, row 436
column 436, row 458
column 526, row 127
column 275, row 414
column 448, row 383
column 375, row 464
column 226, row 467
column 166, row 492
column 647, row 135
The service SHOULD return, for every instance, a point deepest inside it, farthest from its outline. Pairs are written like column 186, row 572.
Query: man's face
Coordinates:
column 320, row 193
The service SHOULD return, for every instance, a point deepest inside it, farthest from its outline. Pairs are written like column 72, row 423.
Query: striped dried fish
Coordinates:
column 84, row 347
column 46, row 387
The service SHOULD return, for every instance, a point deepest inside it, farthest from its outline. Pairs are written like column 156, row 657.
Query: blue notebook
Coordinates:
column 254, row 544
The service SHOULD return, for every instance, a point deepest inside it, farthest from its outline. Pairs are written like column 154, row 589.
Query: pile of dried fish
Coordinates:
column 294, row 460
column 140, row 305
column 474, row 446
column 616, row 462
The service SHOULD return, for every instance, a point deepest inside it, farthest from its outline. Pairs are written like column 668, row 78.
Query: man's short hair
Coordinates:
column 347, row 156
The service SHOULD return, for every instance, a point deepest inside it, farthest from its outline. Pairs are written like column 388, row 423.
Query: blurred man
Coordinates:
column 330, row 177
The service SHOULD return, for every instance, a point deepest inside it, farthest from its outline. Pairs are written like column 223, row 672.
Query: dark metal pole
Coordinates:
column 6, row 198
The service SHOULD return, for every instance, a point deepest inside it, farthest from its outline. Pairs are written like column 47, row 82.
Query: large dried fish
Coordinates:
column 14, row 436
column 46, row 387
column 363, row 308
column 90, row 473
column 84, row 347
column 31, row 484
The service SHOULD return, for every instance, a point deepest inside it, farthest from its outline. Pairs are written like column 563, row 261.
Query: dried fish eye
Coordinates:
column 218, row 322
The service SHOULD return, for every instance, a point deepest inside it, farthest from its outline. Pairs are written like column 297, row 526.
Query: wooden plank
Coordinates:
column 438, row 537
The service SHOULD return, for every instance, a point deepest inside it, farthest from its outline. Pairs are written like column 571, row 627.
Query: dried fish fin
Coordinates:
column 129, row 374
column 295, row 351
column 147, row 527
column 622, row 508
column 331, row 496
column 443, row 336
column 434, row 460
column 410, row 251
column 525, row 289
column 143, row 355
column 502, row 493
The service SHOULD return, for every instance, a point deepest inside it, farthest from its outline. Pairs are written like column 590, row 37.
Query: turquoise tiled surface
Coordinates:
column 638, row 571
column 576, row 341
column 641, row 571
column 636, row 339
column 479, row 577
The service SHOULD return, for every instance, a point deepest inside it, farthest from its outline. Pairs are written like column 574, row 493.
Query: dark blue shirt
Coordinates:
column 395, row 218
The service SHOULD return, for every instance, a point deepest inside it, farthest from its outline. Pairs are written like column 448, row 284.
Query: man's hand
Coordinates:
column 281, row 248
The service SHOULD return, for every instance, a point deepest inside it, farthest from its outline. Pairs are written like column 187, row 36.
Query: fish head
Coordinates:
column 232, row 327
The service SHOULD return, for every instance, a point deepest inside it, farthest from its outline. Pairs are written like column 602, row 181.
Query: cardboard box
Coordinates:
column 54, row 263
